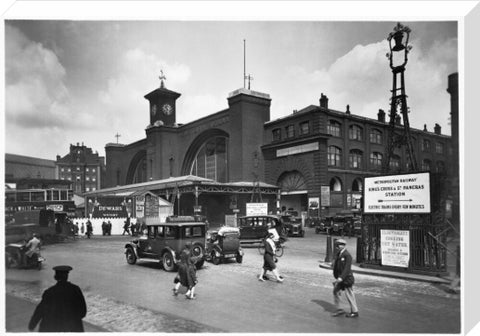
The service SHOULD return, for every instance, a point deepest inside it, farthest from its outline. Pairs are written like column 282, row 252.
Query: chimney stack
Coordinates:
column 323, row 101
column 425, row 128
column 348, row 109
column 381, row 115
column 438, row 129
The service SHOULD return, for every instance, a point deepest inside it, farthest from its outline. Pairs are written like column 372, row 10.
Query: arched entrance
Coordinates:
column 293, row 189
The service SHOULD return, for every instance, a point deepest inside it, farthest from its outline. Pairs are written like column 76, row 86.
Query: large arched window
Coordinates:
column 211, row 160
column 140, row 174
column 137, row 170
column 335, row 184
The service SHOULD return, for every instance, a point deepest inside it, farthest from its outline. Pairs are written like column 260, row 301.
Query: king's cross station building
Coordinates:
column 312, row 161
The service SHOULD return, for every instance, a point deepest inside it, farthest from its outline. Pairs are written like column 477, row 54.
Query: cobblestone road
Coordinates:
column 110, row 314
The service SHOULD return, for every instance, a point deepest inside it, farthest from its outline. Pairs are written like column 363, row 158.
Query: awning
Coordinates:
column 184, row 184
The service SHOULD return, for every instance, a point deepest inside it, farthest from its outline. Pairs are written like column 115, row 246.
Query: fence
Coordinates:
column 117, row 224
column 427, row 245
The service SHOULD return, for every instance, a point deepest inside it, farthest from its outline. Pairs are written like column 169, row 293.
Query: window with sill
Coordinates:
column 375, row 136
column 277, row 134
column 355, row 159
column 355, row 133
column 304, row 128
column 426, row 165
column 334, row 128
column 376, row 160
column 334, row 156
column 426, row 145
column 439, row 148
column 290, row 130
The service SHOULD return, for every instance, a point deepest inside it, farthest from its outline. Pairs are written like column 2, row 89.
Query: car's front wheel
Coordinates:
column 215, row 258
column 239, row 258
column 167, row 262
column 130, row 256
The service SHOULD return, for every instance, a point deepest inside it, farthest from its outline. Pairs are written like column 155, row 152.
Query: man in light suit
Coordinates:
column 344, row 280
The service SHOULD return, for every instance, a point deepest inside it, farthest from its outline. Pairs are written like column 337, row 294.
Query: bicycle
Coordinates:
column 279, row 249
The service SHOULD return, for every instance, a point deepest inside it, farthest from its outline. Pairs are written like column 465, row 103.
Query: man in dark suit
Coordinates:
column 62, row 307
column 344, row 280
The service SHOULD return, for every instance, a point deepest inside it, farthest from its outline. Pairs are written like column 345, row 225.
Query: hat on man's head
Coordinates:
column 340, row 242
column 62, row 269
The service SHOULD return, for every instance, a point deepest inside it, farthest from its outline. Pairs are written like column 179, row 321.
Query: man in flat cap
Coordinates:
column 62, row 307
column 344, row 280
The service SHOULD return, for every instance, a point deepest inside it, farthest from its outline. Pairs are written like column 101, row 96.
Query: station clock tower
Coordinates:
column 162, row 104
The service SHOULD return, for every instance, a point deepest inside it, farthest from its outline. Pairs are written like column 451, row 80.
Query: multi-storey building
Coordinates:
column 85, row 169
column 317, row 157
column 19, row 167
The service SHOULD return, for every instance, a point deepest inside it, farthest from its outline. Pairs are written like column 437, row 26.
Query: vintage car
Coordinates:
column 223, row 244
column 255, row 228
column 293, row 226
column 166, row 241
column 324, row 225
column 357, row 227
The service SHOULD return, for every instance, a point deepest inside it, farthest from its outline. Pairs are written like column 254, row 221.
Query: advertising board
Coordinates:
column 257, row 209
column 395, row 247
column 408, row 193
column 109, row 207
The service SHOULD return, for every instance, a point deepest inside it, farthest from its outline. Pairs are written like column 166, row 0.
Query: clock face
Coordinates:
column 154, row 109
column 167, row 109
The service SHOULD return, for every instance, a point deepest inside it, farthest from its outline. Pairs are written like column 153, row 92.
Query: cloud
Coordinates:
column 362, row 79
column 122, row 102
column 36, row 95
column 194, row 107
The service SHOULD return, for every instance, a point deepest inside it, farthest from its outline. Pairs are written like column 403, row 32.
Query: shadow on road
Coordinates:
column 327, row 306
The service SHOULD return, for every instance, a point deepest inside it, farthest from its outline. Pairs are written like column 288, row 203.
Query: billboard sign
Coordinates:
column 109, row 207
column 257, row 209
column 409, row 193
column 395, row 247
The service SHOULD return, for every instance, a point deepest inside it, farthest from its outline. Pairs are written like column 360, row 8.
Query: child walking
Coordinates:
column 186, row 276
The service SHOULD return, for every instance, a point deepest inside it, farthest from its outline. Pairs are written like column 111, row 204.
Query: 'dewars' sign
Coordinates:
column 109, row 207
column 409, row 193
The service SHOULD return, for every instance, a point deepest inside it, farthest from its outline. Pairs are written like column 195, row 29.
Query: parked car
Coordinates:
column 223, row 244
column 324, row 225
column 166, row 241
column 293, row 226
column 254, row 228
column 357, row 227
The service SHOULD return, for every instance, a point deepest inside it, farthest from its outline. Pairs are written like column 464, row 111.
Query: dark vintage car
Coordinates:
column 293, row 226
column 166, row 241
column 255, row 228
column 223, row 244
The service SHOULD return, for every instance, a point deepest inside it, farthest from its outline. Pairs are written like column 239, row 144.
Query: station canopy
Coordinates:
column 185, row 184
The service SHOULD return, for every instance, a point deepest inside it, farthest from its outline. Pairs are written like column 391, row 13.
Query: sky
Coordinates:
column 83, row 81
